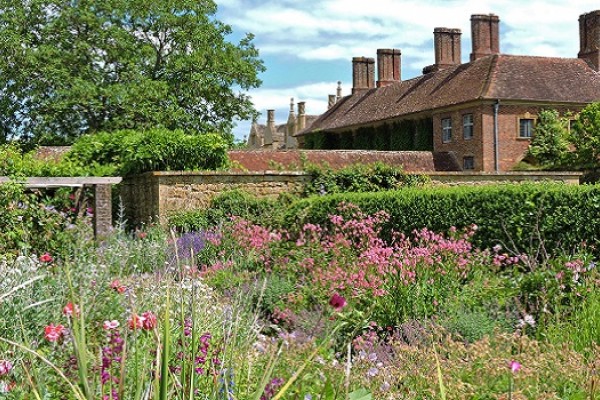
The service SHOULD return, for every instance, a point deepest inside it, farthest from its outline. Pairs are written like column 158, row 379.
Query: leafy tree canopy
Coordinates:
column 586, row 137
column 70, row 67
column 550, row 142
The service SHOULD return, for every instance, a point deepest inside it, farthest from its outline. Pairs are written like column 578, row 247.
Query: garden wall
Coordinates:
column 154, row 195
column 411, row 161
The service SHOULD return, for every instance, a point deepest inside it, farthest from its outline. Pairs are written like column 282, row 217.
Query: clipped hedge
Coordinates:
column 515, row 216
column 132, row 152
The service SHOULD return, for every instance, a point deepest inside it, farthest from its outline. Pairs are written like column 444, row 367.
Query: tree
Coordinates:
column 70, row 67
column 586, row 137
column 550, row 143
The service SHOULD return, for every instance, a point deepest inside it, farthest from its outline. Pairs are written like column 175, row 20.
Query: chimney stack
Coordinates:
column 338, row 95
column 447, row 47
column 485, row 35
column 363, row 74
column 270, row 129
column 388, row 66
column 589, row 39
column 301, row 116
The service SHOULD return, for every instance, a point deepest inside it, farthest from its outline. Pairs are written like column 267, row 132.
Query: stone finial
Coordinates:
column 292, row 105
column 339, row 90
column 330, row 101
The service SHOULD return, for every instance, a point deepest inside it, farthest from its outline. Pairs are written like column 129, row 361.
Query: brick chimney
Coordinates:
column 589, row 38
column 363, row 74
column 388, row 66
column 485, row 35
column 446, row 42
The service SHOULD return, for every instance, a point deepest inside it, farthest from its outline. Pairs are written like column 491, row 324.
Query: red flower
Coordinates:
column 71, row 309
column 116, row 285
column 136, row 321
column 53, row 333
column 337, row 302
column 149, row 321
column 46, row 258
column 142, row 235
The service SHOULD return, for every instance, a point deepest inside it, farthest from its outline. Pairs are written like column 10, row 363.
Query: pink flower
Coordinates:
column 5, row 367
column 53, row 333
column 515, row 366
column 136, row 321
column 337, row 302
column 71, row 309
column 116, row 285
column 149, row 321
column 46, row 258
column 109, row 325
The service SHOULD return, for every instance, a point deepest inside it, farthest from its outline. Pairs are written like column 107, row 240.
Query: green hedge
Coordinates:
column 132, row 152
column 405, row 135
column 511, row 215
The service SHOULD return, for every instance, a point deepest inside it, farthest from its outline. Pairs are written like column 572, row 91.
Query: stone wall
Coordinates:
column 154, row 195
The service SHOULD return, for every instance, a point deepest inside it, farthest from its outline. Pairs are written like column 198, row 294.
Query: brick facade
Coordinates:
column 519, row 86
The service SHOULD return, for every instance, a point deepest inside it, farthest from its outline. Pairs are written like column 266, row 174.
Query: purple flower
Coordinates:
column 515, row 366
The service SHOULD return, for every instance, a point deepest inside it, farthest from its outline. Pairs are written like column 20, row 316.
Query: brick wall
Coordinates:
column 154, row 195
column 511, row 148
column 260, row 160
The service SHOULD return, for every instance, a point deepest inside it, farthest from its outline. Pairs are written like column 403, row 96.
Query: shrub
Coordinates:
column 34, row 223
column 16, row 163
column 522, row 217
column 134, row 152
column 359, row 178
column 586, row 137
column 550, row 145
column 227, row 204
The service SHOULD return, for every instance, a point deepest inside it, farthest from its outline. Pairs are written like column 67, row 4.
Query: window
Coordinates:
column 525, row 128
column 446, row 130
column 468, row 163
column 468, row 126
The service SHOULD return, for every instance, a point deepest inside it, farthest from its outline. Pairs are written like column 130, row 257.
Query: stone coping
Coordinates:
column 224, row 173
column 69, row 181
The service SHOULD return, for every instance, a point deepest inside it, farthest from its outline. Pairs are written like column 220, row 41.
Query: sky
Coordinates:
column 307, row 45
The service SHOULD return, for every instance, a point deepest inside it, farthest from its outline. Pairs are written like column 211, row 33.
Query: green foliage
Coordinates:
column 16, row 163
column 402, row 136
column 550, row 145
column 363, row 139
column 359, row 178
column 91, row 66
column 424, row 135
column 586, row 137
column 134, row 152
column 35, row 223
column 522, row 216
column 227, row 204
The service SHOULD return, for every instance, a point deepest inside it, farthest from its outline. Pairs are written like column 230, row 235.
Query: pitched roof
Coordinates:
column 503, row 77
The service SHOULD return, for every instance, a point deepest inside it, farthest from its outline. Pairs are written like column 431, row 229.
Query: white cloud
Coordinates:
column 340, row 29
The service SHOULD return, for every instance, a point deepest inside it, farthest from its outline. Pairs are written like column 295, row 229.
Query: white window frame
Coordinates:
column 468, row 126
column 446, row 130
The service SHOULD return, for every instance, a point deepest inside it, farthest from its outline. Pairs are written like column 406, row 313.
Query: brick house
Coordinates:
column 481, row 113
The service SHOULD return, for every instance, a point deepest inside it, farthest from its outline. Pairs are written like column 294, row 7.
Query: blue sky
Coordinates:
column 307, row 45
